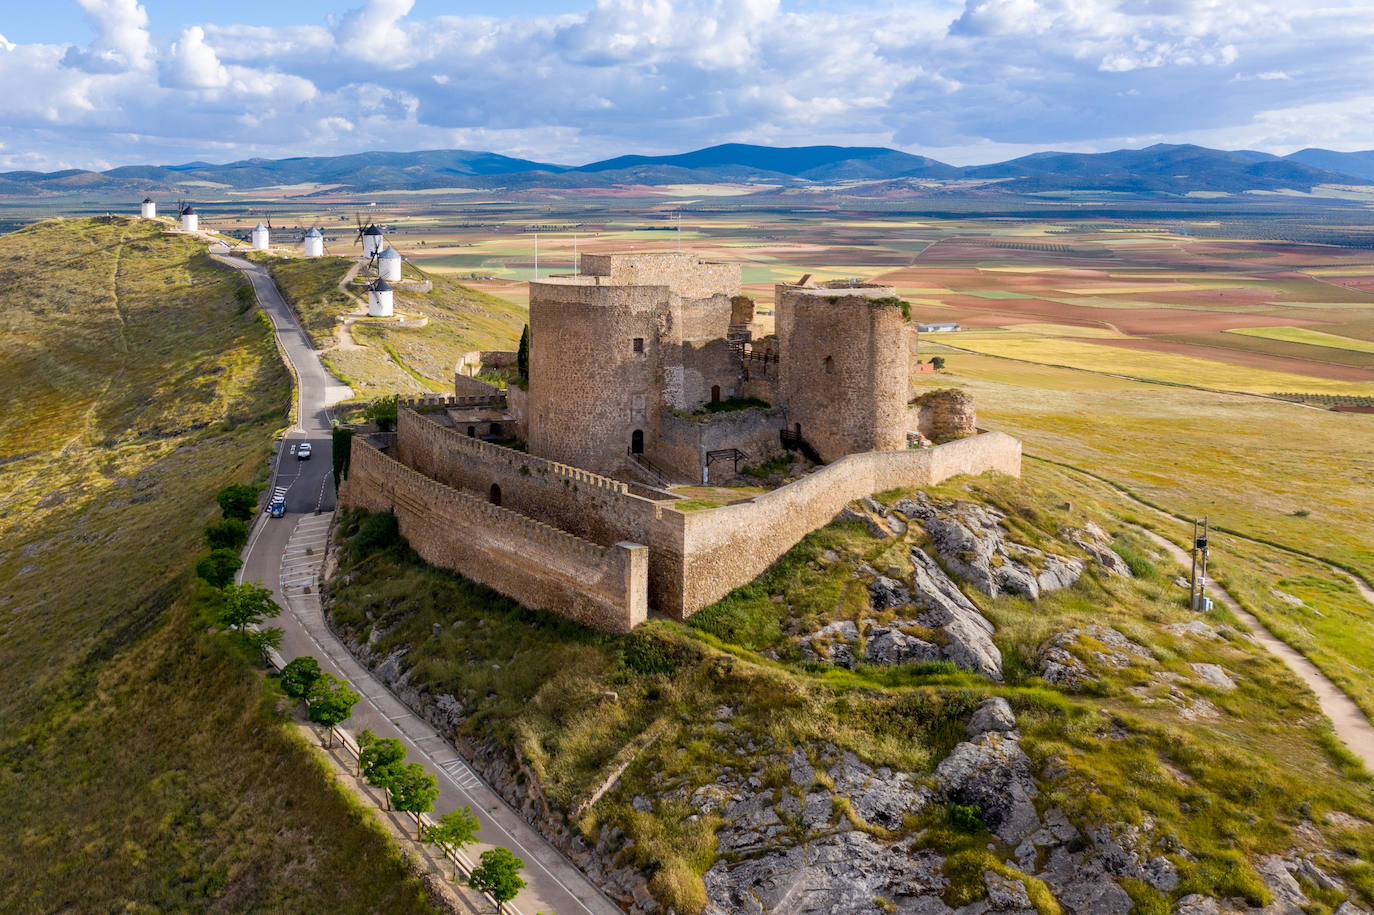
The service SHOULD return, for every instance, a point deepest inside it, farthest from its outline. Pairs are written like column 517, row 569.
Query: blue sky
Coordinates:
column 111, row 82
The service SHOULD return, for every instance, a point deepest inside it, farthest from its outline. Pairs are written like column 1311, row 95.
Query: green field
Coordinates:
column 1308, row 336
column 144, row 764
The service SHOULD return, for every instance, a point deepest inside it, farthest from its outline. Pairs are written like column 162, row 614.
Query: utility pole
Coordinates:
column 1197, row 586
column 577, row 264
column 536, row 255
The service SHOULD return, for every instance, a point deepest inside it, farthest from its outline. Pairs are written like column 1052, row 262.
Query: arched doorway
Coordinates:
column 829, row 365
column 495, row 494
column 715, row 393
column 637, row 442
column 495, row 428
column 472, row 431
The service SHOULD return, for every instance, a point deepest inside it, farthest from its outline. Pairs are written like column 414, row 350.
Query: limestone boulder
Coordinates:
column 888, row 646
column 944, row 607
column 880, row 797
column 992, row 772
column 991, row 715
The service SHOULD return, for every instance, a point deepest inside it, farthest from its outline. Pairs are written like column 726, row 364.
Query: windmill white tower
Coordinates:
column 149, row 210
column 190, row 219
column 262, row 237
column 389, row 265
column 314, row 243
column 372, row 241
column 379, row 304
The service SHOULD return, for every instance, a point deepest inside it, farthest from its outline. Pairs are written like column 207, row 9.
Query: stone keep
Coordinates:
column 845, row 372
column 612, row 347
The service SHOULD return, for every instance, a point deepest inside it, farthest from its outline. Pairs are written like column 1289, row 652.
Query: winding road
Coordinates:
column 285, row 555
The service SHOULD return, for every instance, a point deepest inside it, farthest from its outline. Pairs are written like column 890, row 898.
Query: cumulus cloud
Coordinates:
column 121, row 43
column 966, row 79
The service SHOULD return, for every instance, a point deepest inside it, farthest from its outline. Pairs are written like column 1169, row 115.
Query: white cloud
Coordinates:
column 956, row 78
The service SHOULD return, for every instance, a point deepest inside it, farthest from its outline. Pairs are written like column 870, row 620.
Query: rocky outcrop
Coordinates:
column 1067, row 670
column 992, row 773
column 945, row 608
column 991, row 715
column 1097, row 544
column 972, row 544
column 890, row 645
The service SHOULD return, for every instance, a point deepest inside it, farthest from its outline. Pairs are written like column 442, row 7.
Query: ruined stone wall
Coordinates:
column 690, row 371
column 946, row 414
column 684, row 273
column 684, row 441
column 467, row 386
column 727, row 547
column 605, row 587
column 845, row 368
column 589, row 390
column 517, row 403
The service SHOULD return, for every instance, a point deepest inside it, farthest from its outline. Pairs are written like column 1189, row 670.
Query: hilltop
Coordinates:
column 143, row 763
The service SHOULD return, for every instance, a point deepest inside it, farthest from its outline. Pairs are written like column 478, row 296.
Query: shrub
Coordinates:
column 237, row 501
column 378, row 531
column 219, row 567
column 382, row 411
column 298, row 676
column 226, row 534
column 938, row 362
column 966, row 818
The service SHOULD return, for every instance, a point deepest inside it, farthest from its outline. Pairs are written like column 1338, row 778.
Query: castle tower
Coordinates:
column 372, row 241
column 844, row 368
column 262, row 238
column 149, row 209
column 389, row 265
column 190, row 219
column 379, row 299
column 314, row 243
column 612, row 347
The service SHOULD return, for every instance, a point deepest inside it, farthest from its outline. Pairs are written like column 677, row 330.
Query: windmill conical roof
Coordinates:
column 380, row 285
column 147, row 200
column 189, row 211
column 259, row 226
column 390, row 254
column 314, row 233
column 372, row 230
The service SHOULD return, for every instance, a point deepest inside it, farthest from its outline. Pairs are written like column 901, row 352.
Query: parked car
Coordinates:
column 303, row 452
column 276, row 508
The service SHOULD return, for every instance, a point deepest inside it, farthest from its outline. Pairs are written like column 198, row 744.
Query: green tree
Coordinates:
column 379, row 759
column 246, row 605
column 522, row 354
column 331, row 702
column 938, row 362
column 499, row 875
column 237, row 501
column 341, row 451
column 226, row 534
column 219, row 567
column 299, row 675
column 245, row 296
column 455, row 829
column 263, row 640
column 413, row 790
column 382, row 411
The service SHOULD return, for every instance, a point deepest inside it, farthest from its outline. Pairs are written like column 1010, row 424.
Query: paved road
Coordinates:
column 285, row 555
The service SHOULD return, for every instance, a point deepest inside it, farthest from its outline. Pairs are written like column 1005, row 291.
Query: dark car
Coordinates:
column 303, row 452
column 276, row 508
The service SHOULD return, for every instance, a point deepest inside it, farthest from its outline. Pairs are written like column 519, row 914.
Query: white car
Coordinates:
column 303, row 452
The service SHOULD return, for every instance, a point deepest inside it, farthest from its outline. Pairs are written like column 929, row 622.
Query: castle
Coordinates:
column 646, row 371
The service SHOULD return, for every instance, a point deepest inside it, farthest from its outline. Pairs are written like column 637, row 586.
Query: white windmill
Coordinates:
column 190, row 219
column 389, row 265
column 379, row 299
column 314, row 243
column 149, row 209
column 262, row 237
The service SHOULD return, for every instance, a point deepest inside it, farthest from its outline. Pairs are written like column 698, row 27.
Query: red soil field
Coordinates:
column 1248, row 359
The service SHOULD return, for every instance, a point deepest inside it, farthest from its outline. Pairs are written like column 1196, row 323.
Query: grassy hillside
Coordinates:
column 145, row 767
column 1213, row 779
column 390, row 358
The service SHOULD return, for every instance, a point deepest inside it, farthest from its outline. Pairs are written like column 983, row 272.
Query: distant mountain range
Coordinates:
column 1155, row 170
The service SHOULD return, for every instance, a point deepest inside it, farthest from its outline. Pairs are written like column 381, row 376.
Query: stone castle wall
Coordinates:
column 684, row 441
column 605, row 587
column 682, row 272
column 726, row 547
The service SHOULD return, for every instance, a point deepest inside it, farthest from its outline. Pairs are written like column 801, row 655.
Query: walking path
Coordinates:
column 286, row 554
column 1349, row 721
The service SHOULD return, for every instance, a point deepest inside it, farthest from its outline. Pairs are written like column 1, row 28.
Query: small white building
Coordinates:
column 262, row 238
column 372, row 241
column 389, row 265
column 190, row 220
column 314, row 243
column 379, row 303
column 149, row 210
